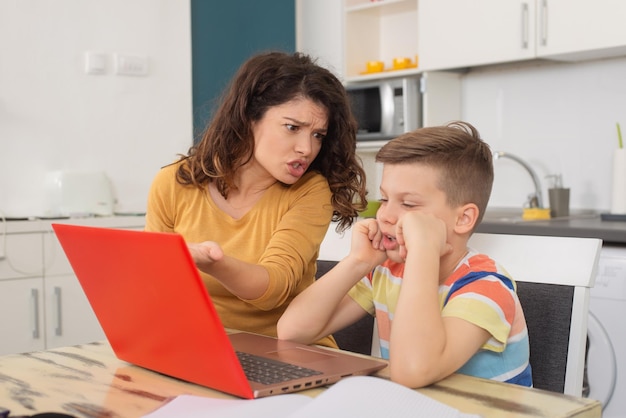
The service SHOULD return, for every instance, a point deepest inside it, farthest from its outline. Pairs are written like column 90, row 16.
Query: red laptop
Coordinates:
column 156, row 313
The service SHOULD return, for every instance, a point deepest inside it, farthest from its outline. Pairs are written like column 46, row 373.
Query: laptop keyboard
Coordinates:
column 266, row 371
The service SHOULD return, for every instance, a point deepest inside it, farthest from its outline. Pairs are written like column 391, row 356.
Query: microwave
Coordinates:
column 386, row 108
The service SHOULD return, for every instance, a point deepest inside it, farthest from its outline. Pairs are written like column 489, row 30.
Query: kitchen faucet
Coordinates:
column 534, row 200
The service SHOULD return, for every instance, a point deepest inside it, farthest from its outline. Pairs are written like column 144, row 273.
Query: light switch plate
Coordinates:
column 95, row 63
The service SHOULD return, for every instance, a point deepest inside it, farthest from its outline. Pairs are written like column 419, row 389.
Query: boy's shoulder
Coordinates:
column 474, row 262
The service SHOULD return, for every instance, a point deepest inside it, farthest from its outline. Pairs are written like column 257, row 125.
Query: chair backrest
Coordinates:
column 554, row 276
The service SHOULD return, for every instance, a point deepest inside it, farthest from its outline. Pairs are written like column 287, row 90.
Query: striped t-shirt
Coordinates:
column 486, row 302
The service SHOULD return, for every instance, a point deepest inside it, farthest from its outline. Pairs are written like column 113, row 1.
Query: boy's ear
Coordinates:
column 467, row 218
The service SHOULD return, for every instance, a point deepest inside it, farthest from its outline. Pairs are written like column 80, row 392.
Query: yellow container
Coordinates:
column 535, row 214
column 375, row 66
column 400, row 63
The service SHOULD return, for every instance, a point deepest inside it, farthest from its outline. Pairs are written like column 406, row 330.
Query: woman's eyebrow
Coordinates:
column 301, row 123
column 296, row 121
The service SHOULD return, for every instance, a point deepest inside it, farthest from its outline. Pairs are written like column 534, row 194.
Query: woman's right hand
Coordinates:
column 205, row 253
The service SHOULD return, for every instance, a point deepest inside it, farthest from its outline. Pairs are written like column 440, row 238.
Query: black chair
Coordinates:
column 358, row 336
column 547, row 308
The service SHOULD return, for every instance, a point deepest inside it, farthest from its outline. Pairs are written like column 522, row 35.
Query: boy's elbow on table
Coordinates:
column 415, row 376
column 283, row 330
column 288, row 330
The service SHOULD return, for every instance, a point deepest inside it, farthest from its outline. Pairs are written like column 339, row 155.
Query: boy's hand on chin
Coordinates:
column 418, row 229
column 366, row 243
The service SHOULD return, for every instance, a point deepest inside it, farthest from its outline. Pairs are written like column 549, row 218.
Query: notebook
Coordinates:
column 156, row 313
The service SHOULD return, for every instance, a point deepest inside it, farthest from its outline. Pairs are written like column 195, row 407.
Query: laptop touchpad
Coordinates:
column 298, row 355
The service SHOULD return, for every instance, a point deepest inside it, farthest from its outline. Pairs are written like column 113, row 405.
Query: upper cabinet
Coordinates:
column 454, row 34
column 571, row 30
column 461, row 33
column 482, row 32
column 347, row 34
column 381, row 30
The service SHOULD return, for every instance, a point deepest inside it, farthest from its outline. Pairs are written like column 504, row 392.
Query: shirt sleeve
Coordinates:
column 161, row 198
column 488, row 304
column 361, row 293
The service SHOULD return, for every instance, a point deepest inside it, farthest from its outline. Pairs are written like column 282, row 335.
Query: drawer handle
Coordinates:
column 524, row 25
column 58, row 331
column 544, row 22
column 34, row 296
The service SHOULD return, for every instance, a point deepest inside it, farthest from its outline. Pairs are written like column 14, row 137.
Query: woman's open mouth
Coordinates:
column 297, row 168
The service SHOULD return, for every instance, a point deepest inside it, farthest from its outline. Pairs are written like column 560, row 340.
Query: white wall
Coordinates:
column 559, row 117
column 53, row 116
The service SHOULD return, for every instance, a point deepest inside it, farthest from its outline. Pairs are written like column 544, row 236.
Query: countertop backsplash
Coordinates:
column 559, row 117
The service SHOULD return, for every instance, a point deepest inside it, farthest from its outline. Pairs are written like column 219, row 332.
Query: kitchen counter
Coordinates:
column 43, row 224
column 582, row 223
column 586, row 224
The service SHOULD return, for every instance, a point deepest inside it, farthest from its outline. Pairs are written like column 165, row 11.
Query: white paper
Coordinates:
column 362, row 396
column 366, row 396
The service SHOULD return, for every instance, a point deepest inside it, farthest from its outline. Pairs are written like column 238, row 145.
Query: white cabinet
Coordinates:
column 461, row 33
column 69, row 317
column 450, row 34
column 21, row 255
column 346, row 34
column 379, row 31
column 42, row 304
column 21, row 293
column 21, row 313
column 581, row 29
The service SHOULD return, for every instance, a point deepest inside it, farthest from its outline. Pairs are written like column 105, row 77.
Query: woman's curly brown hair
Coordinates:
column 264, row 81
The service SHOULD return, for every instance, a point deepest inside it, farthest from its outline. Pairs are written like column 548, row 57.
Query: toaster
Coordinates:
column 74, row 193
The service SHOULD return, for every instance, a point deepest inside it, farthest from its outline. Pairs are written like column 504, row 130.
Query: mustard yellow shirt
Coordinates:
column 282, row 233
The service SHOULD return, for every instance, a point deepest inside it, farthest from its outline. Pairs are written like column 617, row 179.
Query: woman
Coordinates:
column 255, row 196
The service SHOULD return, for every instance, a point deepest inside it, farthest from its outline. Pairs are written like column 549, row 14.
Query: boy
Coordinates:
column 441, row 308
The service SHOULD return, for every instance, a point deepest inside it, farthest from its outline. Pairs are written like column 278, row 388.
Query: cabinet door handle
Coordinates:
column 58, row 331
column 544, row 22
column 34, row 297
column 524, row 25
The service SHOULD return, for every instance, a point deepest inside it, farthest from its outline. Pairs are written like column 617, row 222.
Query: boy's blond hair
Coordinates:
column 463, row 159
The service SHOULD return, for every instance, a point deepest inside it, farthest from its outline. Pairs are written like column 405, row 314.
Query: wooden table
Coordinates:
column 88, row 381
